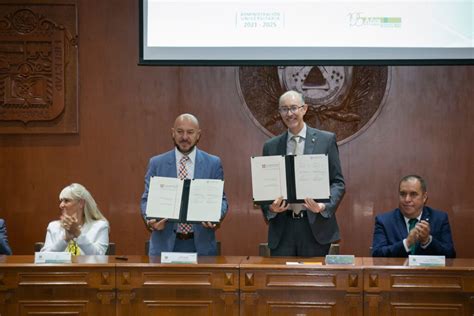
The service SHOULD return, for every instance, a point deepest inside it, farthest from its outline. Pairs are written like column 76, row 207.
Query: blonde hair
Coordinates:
column 76, row 191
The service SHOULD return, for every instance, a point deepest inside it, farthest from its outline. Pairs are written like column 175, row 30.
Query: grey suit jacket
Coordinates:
column 4, row 247
column 323, row 225
column 206, row 167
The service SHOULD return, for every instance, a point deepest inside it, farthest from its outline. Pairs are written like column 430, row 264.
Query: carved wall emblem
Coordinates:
column 341, row 99
column 38, row 68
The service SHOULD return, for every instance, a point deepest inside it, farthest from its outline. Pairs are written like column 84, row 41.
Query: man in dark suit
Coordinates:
column 4, row 247
column 412, row 228
column 198, row 164
column 306, row 229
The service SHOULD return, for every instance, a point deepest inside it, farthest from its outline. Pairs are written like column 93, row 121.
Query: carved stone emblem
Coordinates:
column 341, row 99
column 38, row 58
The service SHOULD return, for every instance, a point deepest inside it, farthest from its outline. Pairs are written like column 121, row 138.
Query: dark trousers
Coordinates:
column 298, row 240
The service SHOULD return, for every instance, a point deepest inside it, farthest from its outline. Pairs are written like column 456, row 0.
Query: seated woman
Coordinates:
column 81, row 228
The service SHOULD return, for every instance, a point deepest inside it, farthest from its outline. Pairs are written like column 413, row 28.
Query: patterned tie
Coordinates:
column 183, row 174
column 411, row 224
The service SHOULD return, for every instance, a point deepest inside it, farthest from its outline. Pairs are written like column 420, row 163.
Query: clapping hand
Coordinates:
column 71, row 225
column 423, row 231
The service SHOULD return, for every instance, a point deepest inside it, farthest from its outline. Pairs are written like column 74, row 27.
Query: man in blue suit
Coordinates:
column 176, row 237
column 4, row 247
column 412, row 228
column 306, row 229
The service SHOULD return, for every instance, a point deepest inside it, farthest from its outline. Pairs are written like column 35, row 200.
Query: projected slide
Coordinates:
column 287, row 23
column 306, row 30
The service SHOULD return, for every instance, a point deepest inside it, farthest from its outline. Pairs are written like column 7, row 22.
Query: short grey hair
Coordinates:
column 291, row 93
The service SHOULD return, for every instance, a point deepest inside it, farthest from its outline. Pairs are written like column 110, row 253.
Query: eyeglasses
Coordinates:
column 293, row 109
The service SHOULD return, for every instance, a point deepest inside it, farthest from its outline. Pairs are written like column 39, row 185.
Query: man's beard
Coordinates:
column 182, row 151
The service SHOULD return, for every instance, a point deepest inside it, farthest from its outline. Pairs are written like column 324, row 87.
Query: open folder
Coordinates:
column 292, row 177
column 197, row 200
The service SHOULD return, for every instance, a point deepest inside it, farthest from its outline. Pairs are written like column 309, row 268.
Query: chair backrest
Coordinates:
column 334, row 249
column 218, row 246
column 38, row 245
column 263, row 250
column 110, row 250
column 147, row 247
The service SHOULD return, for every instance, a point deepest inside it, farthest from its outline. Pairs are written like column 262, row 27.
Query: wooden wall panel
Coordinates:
column 125, row 115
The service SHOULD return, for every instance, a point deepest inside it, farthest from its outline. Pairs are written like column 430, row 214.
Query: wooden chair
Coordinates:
column 38, row 246
column 110, row 250
column 263, row 250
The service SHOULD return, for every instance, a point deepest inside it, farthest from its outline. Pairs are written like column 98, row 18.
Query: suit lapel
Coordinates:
column 425, row 214
column 171, row 162
column 310, row 141
column 401, row 225
column 282, row 143
column 199, row 168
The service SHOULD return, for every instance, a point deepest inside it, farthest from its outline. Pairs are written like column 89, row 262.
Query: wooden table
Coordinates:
column 147, row 287
column 393, row 288
column 231, row 285
column 84, row 287
column 271, row 287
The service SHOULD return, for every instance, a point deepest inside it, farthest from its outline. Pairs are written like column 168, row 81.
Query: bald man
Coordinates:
column 183, row 237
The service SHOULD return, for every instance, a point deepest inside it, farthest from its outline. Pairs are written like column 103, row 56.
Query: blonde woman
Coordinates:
column 81, row 228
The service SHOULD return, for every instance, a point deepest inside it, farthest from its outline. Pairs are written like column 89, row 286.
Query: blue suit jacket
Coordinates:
column 4, row 247
column 206, row 167
column 323, row 225
column 390, row 230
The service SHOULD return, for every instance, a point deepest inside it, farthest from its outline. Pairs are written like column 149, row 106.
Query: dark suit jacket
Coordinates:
column 323, row 225
column 206, row 167
column 4, row 247
column 390, row 230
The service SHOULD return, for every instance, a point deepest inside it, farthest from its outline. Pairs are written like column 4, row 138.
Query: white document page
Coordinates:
column 312, row 177
column 164, row 197
column 268, row 178
column 205, row 200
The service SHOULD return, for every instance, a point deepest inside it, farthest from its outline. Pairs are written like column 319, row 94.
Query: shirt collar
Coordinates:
column 301, row 134
column 191, row 155
column 407, row 219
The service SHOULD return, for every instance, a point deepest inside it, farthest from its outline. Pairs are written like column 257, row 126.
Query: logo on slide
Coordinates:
column 358, row 19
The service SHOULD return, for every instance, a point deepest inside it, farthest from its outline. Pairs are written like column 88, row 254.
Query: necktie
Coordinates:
column 293, row 148
column 183, row 174
column 411, row 224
